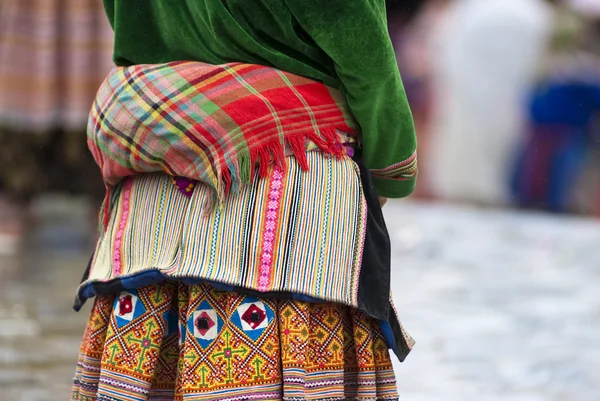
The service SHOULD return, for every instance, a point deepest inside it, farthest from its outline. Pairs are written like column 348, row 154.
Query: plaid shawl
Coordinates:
column 211, row 123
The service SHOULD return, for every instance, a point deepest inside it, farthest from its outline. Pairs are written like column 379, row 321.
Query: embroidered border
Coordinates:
column 404, row 170
column 268, row 245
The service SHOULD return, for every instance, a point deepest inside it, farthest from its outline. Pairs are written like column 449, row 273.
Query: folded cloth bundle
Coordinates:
column 212, row 123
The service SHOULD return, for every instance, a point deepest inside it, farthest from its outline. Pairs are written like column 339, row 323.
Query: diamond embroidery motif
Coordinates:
column 127, row 308
column 126, row 305
column 205, row 324
column 253, row 316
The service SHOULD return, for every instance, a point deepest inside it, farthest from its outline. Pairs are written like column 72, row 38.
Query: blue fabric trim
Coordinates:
column 142, row 280
column 150, row 277
column 388, row 335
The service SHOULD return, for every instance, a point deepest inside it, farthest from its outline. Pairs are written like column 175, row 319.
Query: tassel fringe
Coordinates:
column 233, row 174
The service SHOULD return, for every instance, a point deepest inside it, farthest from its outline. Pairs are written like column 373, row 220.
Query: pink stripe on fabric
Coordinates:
column 273, row 206
column 124, row 216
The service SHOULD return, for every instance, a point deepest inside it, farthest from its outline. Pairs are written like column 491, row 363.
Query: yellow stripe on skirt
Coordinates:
column 173, row 341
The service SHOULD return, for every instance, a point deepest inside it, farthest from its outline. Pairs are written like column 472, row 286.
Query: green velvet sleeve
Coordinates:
column 354, row 34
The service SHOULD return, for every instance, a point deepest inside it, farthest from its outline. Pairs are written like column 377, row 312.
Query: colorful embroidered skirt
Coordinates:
column 172, row 341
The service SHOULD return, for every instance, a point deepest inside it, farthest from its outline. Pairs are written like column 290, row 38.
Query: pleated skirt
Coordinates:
column 173, row 341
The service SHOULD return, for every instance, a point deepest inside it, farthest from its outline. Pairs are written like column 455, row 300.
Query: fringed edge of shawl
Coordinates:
column 231, row 176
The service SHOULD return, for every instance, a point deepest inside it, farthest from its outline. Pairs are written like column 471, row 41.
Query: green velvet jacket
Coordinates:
column 342, row 43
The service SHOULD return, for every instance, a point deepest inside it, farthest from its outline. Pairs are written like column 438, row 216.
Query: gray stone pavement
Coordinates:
column 39, row 332
column 504, row 306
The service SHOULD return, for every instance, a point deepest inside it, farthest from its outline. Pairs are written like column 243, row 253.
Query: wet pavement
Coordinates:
column 504, row 306
column 39, row 332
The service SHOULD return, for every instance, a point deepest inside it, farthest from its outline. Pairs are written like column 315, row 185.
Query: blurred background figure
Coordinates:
column 486, row 55
column 414, row 32
column 557, row 166
column 53, row 56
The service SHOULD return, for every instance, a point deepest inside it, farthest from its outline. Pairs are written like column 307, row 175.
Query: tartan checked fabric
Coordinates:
column 212, row 123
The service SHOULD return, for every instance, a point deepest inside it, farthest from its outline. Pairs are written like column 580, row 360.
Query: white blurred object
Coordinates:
column 587, row 7
column 486, row 55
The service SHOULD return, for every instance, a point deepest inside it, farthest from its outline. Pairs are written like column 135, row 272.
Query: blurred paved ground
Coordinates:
column 39, row 332
column 503, row 306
